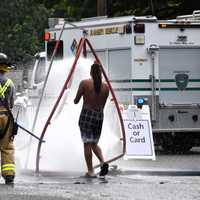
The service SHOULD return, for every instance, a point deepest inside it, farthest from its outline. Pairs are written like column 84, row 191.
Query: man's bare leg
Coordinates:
column 104, row 166
column 88, row 157
column 97, row 151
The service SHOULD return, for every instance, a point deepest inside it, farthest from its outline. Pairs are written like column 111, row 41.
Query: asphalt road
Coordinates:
column 166, row 163
column 118, row 185
column 170, row 177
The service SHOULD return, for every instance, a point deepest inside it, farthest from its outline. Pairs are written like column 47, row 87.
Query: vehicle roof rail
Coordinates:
column 147, row 18
column 194, row 16
column 94, row 18
column 52, row 22
column 196, row 13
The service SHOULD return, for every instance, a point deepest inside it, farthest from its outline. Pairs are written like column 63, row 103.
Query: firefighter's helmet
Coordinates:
column 4, row 64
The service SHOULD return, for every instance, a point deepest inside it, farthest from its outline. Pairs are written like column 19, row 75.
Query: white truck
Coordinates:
column 143, row 58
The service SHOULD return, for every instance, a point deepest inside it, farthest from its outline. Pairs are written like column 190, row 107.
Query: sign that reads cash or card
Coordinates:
column 139, row 139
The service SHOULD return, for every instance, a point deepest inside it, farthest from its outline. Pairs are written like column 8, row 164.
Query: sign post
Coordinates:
column 139, row 138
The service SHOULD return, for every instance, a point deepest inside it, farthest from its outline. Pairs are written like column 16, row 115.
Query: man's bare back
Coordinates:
column 91, row 100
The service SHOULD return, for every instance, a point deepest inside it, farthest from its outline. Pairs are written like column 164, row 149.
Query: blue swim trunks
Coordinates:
column 90, row 123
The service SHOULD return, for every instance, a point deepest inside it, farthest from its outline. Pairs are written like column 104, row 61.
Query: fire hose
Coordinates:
column 30, row 133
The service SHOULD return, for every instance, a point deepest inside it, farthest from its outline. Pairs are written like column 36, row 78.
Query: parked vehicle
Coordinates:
column 144, row 57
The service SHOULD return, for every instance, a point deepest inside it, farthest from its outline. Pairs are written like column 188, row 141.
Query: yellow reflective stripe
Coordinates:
column 8, row 165
column 3, row 90
column 1, row 94
column 5, row 87
column 8, row 169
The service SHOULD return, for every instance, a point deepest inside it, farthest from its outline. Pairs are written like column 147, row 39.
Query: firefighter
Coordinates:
column 7, row 91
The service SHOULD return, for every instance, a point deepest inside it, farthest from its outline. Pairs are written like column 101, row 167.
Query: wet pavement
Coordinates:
column 118, row 185
column 166, row 163
column 169, row 177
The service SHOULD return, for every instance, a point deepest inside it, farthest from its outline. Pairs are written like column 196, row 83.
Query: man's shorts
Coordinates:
column 90, row 123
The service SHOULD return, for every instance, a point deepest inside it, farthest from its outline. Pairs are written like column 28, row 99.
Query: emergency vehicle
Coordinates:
column 157, row 60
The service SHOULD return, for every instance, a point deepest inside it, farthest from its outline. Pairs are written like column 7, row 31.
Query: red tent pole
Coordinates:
column 116, row 104
column 82, row 44
column 79, row 49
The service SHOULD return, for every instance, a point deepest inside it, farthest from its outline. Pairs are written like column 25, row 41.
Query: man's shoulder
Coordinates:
column 105, row 85
column 86, row 81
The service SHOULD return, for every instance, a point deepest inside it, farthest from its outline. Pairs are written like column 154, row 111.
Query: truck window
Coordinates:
column 40, row 71
column 119, row 64
column 50, row 49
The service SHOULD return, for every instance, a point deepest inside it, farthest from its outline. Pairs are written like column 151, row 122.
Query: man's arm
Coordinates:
column 79, row 93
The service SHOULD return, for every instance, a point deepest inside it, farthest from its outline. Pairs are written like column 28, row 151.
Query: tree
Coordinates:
column 23, row 21
column 73, row 9
column 22, row 24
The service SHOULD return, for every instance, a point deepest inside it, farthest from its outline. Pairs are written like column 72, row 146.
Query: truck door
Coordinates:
column 38, row 75
column 179, row 70
column 36, row 84
column 119, row 71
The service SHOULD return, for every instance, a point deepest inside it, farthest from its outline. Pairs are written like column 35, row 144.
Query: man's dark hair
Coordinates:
column 96, row 76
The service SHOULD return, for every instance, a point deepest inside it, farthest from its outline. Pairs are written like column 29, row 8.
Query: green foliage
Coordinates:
column 73, row 9
column 22, row 25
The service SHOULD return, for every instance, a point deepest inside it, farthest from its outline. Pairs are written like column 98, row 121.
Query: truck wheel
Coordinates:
column 182, row 143
column 176, row 143
column 167, row 142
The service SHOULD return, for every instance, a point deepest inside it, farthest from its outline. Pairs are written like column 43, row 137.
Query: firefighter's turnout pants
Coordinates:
column 6, row 144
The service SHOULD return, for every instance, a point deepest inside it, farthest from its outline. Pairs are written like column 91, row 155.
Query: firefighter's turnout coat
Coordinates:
column 6, row 139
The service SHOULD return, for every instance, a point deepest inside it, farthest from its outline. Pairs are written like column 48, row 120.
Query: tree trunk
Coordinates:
column 101, row 8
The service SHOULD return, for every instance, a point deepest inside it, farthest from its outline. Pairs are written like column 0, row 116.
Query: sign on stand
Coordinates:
column 139, row 138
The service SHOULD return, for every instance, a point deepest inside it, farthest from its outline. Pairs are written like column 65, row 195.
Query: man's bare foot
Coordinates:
column 90, row 175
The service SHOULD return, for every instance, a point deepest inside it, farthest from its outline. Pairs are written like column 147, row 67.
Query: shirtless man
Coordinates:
column 95, row 93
